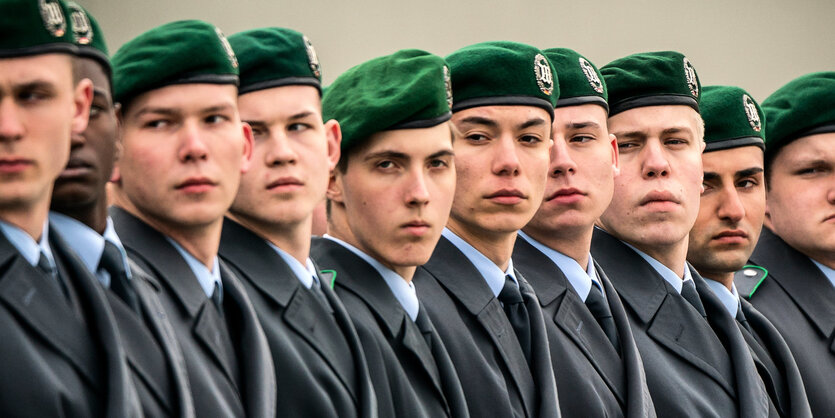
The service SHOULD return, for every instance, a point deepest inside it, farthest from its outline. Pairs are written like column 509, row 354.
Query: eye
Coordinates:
column 215, row 119
column 157, row 124
column 95, row 111
column 627, row 145
column 385, row 164
column 530, row 139
column 475, row 137
column 581, row 139
column 31, row 96
column 296, row 127
column 676, row 141
column 746, row 184
column 438, row 163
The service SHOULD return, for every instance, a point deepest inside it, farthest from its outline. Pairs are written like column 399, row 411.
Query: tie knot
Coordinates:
column 510, row 293
column 45, row 265
column 689, row 293
column 111, row 259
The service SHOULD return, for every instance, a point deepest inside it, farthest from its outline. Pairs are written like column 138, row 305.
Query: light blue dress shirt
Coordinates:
column 26, row 245
column 403, row 291
column 729, row 298
column 206, row 278
column 581, row 280
column 493, row 275
column 828, row 272
column 88, row 244
column 305, row 273
column 670, row 276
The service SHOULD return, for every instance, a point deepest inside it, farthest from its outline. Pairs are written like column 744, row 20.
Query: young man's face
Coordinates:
column 396, row 193
column 184, row 149
column 581, row 174
column 657, row 191
column 501, row 159
column 40, row 107
column 731, row 211
column 801, row 196
column 292, row 157
column 92, row 152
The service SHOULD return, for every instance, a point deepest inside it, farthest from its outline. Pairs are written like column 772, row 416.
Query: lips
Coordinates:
column 565, row 193
column 659, row 196
column 506, row 196
column 196, row 184
column 284, row 181
column 12, row 165
column 731, row 234
column 417, row 227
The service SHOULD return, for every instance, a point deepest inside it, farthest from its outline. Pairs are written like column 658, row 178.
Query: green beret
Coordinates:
column 274, row 57
column 183, row 52
column 87, row 35
column 580, row 81
column 502, row 74
column 406, row 90
column 732, row 118
column 651, row 79
column 29, row 27
column 805, row 106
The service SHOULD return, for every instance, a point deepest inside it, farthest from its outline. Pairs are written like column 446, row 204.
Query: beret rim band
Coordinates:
column 197, row 79
column 423, row 123
column 655, row 100
column 280, row 82
column 93, row 53
column 504, row 101
column 53, row 48
column 826, row 128
column 581, row 100
column 735, row 143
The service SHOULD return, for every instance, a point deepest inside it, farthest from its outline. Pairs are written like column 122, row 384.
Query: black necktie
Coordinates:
column 517, row 314
column 740, row 317
column 424, row 325
column 217, row 298
column 689, row 293
column 113, row 264
column 600, row 309
column 316, row 288
column 50, row 271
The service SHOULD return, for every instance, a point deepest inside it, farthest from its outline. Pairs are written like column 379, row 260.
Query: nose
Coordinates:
column 561, row 162
column 11, row 127
column 280, row 151
column 655, row 162
column 417, row 192
column 731, row 207
column 505, row 158
column 192, row 144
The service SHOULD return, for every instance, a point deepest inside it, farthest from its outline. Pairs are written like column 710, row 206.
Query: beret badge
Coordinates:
column 591, row 75
column 542, row 72
column 226, row 47
column 690, row 75
column 82, row 30
column 751, row 112
column 312, row 58
column 53, row 17
column 448, row 86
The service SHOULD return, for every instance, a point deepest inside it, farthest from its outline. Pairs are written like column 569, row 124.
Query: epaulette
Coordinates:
column 748, row 280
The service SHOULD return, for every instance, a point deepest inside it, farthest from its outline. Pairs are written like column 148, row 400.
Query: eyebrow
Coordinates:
column 441, row 153
column 582, row 125
column 478, row 120
column 531, row 123
column 631, row 134
column 395, row 155
column 301, row 115
column 676, row 130
column 748, row 172
column 157, row 111
column 35, row 84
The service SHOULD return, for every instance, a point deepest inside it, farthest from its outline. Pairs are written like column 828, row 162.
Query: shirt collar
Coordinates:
column 403, row 291
column 26, row 245
column 828, row 272
column 85, row 242
column 581, row 279
column 729, row 298
column 206, row 278
column 670, row 276
column 493, row 275
column 306, row 273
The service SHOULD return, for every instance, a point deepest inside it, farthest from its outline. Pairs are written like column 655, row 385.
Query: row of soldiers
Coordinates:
column 511, row 231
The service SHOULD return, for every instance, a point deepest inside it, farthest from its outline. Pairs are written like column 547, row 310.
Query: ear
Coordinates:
column 333, row 134
column 704, row 144
column 613, row 141
column 767, row 220
column 335, row 187
column 82, row 99
column 249, row 143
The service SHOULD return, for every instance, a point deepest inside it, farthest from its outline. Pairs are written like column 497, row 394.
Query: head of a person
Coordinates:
column 294, row 151
column 391, row 192
column 503, row 107
column 42, row 101
column 183, row 145
column 732, row 206
column 800, row 165
column 93, row 152
column 654, row 114
column 584, row 156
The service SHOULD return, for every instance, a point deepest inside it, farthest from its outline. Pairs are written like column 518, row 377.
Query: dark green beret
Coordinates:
column 88, row 35
column 579, row 80
column 805, row 106
column 274, row 57
column 651, row 79
column 406, row 90
column 502, row 74
column 183, row 52
column 30, row 27
column 732, row 118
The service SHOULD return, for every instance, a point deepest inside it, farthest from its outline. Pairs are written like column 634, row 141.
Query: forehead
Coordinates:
column 500, row 116
column 50, row 68
column 730, row 161
column 818, row 147
column 284, row 100
column 414, row 143
column 580, row 114
column 655, row 119
column 187, row 98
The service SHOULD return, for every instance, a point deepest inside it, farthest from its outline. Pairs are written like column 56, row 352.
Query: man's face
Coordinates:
column 581, row 174
column 656, row 197
column 184, row 149
column 396, row 193
column 731, row 211
column 801, row 196
column 292, row 157
column 501, row 159
column 93, row 152
column 40, row 107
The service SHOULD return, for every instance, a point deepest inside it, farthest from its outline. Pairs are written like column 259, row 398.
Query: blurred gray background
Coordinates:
column 758, row 45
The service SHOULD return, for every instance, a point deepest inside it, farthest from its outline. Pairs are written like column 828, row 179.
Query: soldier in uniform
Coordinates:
column 485, row 311
column 696, row 360
column 61, row 350
column 727, row 228
column 594, row 355
column 797, row 247
column 319, row 364
column 389, row 197
column 183, row 151
column 79, row 206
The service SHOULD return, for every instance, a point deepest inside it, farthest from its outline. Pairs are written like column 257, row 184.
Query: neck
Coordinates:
column 672, row 256
column 30, row 218
column 292, row 238
column 574, row 242
column 93, row 215
column 727, row 279
column 496, row 246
